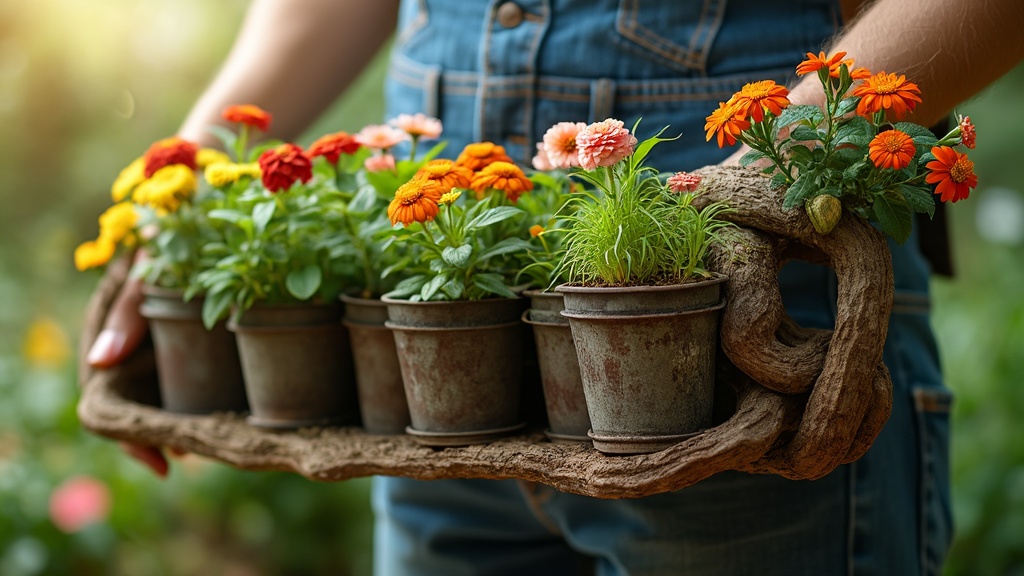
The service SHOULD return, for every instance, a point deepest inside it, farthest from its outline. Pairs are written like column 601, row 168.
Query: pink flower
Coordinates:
column 603, row 144
column 418, row 125
column 380, row 136
column 560, row 144
column 683, row 182
column 78, row 502
column 541, row 161
column 968, row 135
column 380, row 163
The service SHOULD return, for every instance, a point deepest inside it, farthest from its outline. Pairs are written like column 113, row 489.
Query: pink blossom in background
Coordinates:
column 604, row 143
column 380, row 162
column 78, row 502
column 683, row 182
column 380, row 136
column 560, row 144
column 541, row 161
column 418, row 125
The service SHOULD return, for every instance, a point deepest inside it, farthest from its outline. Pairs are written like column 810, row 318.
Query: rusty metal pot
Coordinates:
column 647, row 357
column 198, row 369
column 378, row 375
column 297, row 364
column 462, row 368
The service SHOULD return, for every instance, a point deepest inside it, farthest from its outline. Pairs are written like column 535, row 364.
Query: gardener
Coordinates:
column 505, row 71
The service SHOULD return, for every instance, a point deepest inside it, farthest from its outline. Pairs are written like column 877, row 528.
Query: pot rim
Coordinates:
column 163, row 292
column 349, row 299
column 717, row 278
column 435, row 303
column 633, row 317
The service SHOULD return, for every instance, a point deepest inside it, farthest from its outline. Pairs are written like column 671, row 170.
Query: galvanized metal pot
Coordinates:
column 198, row 369
column 378, row 375
column 564, row 399
column 297, row 365
column 462, row 368
column 647, row 357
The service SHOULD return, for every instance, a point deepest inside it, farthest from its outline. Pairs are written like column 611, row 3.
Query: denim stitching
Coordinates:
column 418, row 23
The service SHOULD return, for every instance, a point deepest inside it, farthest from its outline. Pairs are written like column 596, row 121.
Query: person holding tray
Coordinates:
column 505, row 71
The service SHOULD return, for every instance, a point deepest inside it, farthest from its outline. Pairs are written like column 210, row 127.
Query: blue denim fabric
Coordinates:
column 670, row 63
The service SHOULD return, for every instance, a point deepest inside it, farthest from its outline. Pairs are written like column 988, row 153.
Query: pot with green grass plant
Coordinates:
column 455, row 320
column 642, row 309
column 279, row 272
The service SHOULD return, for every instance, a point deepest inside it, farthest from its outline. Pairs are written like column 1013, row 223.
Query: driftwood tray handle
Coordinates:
column 805, row 400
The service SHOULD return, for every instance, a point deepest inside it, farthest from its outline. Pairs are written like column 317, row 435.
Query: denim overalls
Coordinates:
column 506, row 71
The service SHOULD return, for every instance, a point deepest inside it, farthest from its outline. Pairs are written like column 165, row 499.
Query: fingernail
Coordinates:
column 107, row 348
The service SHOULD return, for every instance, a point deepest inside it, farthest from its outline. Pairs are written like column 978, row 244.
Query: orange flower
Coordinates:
column 815, row 63
column 892, row 149
column 248, row 114
column 415, row 201
column 479, row 155
column 968, row 136
column 446, row 173
column 283, row 166
column 169, row 151
column 536, row 230
column 503, row 176
column 887, row 92
column 726, row 123
column 859, row 73
column 756, row 97
column 953, row 173
column 332, row 146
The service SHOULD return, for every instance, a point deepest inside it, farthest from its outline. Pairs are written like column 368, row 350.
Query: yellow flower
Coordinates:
column 166, row 188
column 128, row 179
column 222, row 173
column 207, row 156
column 118, row 221
column 449, row 198
column 94, row 253
column 46, row 344
column 251, row 169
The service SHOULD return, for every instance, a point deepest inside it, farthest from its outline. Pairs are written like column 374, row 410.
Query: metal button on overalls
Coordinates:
column 510, row 15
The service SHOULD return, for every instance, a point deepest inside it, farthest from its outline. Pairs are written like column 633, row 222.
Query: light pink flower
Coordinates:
column 418, row 125
column 380, row 162
column 541, row 161
column 604, row 143
column 560, row 144
column 78, row 502
column 683, row 182
column 380, row 136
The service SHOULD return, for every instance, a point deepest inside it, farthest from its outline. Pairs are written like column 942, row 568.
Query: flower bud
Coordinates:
column 824, row 211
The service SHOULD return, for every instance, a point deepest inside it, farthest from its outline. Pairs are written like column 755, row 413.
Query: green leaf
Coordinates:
column 408, row 287
column 493, row 216
column 434, row 151
column 262, row 213
column 915, row 131
column 919, row 199
column 492, row 284
column 800, row 190
column 894, row 217
column 304, row 282
column 226, row 215
column 778, row 181
column 215, row 307
column 857, row 131
column 752, row 156
column 227, row 137
column 847, row 105
column 453, row 289
column 364, row 201
column 810, row 115
column 506, row 246
column 457, row 257
column 805, row 134
column 430, row 288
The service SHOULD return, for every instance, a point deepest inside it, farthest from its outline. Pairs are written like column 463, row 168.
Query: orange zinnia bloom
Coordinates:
column 332, row 146
column 248, row 114
column 726, row 123
column 887, row 92
column 756, row 97
column 503, row 176
column 479, row 155
column 953, row 173
column 815, row 63
column 173, row 150
column 415, row 201
column 892, row 149
column 858, row 73
column 446, row 173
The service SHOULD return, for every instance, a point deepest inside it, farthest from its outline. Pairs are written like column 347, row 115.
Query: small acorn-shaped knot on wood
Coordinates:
column 824, row 211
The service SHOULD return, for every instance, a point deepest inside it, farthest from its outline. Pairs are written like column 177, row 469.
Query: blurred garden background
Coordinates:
column 85, row 87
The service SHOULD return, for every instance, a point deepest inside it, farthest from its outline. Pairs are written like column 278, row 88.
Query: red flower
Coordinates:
column 169, row 151
column 249, row 115
column 332, row 146
column 968, row 135
column 283, row 165
column 953, row 172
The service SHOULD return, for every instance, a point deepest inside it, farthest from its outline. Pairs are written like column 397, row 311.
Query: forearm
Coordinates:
column 293, row 58
column 951, row 49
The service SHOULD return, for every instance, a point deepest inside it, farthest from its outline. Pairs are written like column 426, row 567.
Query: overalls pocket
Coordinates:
column 676, row 35
column 931, row 410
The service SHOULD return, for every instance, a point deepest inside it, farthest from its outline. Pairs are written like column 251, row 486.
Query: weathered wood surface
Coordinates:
column 813, row 399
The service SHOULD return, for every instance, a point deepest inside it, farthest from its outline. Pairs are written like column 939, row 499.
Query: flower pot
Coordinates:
column 462, row 368
column 647, row 357
column 564, row 399
column 199, row 371
column 378, row 375
column 297, row 365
